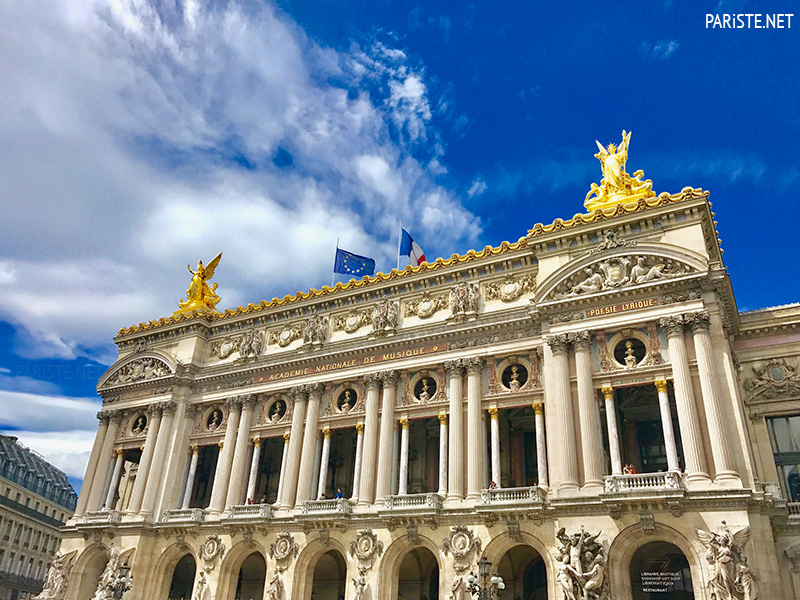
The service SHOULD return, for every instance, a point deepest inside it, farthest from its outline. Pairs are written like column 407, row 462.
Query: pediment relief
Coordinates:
column 622, row 269
column 138, row 370
column 772, row 379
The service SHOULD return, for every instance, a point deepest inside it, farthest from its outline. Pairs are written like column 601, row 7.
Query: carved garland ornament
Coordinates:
column 462, row 544
column 773, row 379
column 284, row 549
column 210, row 551
column 510, row 288
column 352, row 321
column 426, row 306
column 285, row 336
column 366, row 547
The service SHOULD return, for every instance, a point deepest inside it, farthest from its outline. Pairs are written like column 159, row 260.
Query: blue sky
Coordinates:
column 139, row 136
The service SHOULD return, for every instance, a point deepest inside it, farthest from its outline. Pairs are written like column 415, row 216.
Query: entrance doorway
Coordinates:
column 252, row 577
column 660, row 571
column 523, row 571
column 330, row 577
column 182, row 579
column 419, row 576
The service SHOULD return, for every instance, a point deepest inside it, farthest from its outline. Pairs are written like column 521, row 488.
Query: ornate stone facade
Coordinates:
column 580, row 408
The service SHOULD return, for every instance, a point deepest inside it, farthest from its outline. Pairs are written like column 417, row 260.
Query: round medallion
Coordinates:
column 214, row 420
column 347, row 400
column 139, row 424
column 283, row 548
column 285, row 335
column 352, row 320
column 510, row 288
column 276, row 411
column 514, row 376
column 225, row 349
column 777, row 373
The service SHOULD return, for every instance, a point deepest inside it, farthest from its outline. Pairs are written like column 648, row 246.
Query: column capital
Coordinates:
column 538, row 408
column 608, row 392
column 154, row 408
column 389, row 378
column 221, row 443
column 316, row 389
column 234, row 402
column 372, row 380
column 673, row 324
column 404, row 422
column 249, row 400
column 119, row 452
column 257, row 441
column 286, row 438
column 493, row 413
column 299, row 393
column 454, row 368
column 326, row 433
column 581, row 340
column 192, row 410
column 168, row 407
column 558, row 343
column 699, row 321
column 474, row 364
column 195, row 449
column 443, row 418
column 661, row 385
column 104, row 416
column 360, row 428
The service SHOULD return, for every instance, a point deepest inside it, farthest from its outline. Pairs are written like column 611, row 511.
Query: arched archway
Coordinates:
column 419, row 575
column 330, row 577
column 180, row 588
column 524, row 573
column 252, row 577
column 392, row 563
column 660, row 570
column 86, row 573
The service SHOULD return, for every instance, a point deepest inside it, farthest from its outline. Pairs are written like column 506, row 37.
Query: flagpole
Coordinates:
column 399, row 240
column 333, row 275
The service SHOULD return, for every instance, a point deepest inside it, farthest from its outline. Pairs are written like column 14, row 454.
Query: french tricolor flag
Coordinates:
column 411, row 249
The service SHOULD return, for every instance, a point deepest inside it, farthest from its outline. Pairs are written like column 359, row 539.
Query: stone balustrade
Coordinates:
column 335, row 507
column 516, row 495
column 794, row 511
column 425, row 501
column 101, row 517
column 183, row 515
column 644, row 482
column 250, row 512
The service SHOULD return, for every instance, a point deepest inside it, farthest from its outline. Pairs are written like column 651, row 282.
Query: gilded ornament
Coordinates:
column 617, row 186
column 200, row 297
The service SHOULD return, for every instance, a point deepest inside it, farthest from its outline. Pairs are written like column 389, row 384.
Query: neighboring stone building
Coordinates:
column 35, row 501
column 586, row 408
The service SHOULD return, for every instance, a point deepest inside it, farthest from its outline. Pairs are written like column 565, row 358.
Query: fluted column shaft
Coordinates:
column 563, row 405
column 712, row 402
column 289, row 491
column 223, row 471
column 442, row 454
column 187, row 495
column 688, row 419
column 383, row 486
column 541, row 444
column 666, row 426
column 357, row 468
column 495, row 441
column 476, row 449
column 239, row 463
column 368, row 468
column 613, row 431
column 284, row 457
column 143, row 473
column 159, row 459
column 253, row 477
column 455, row 471
column 112, row 489
column 91, row 468
column 591, row 442
column 323, row 467
column 304, row 491
column 403, row 487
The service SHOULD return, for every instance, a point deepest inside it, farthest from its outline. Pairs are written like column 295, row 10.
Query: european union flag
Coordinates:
column 348, row 263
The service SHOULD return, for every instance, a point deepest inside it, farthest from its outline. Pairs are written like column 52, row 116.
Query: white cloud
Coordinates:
column 660, row 50
column 477, row 188
column 135, row 139
column 43, row 413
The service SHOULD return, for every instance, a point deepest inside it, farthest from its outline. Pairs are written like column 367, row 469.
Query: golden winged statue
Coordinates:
column 201, row 297
column 617, row 186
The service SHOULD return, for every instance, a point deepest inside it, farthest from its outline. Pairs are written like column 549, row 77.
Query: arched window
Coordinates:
column 660, row 571
column 182, row 579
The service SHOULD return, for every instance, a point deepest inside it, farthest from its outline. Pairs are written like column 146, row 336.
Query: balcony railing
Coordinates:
column 644, row 482
column 101, row 517
column 250, row 512
column 794, row 510
column 183, row 515
column 414, row 502
column 335, row 507
column 511, row 496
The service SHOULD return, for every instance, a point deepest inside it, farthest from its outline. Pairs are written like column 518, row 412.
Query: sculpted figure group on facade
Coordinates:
column 582, row 568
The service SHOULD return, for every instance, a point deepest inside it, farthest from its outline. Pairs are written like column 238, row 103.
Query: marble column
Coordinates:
column 613, row 431
column 442, row 454
column 357, row 468
column 455, row 453
column 289, row 491
column 112, row 489
column 541, row 444
column 476, row 449
column 395, row 458
column 383, row 486
column 304, row 491
column 284, row 455
column 143, row 473
column 187, row 495
column 666, row 425
column 589, row 417
column 495, row 434
column 724, row 468
column 91, row 468
column 562, row 403
column 403, row 487
column 239, row 463
column 153, row 486
column 253, row 477
column 688, row 419
column 366, row 494
column 323, row 468
column 222, row 474
column 317, row 460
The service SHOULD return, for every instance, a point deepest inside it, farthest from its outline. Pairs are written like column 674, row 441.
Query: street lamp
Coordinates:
column 483, row 586
column 122, row 582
